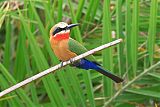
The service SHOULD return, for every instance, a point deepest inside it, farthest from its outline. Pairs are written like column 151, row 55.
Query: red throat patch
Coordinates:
column 60, row 37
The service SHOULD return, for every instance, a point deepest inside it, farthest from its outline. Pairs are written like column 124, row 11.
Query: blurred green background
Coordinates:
column 25, row 51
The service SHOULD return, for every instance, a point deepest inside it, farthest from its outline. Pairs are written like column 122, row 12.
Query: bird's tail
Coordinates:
column 108, row 74
column 86, row 64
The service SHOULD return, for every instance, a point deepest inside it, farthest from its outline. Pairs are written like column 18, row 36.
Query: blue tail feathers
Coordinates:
column 86, row 64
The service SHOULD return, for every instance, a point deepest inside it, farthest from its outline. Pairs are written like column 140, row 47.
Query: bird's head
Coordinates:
column 61, row 31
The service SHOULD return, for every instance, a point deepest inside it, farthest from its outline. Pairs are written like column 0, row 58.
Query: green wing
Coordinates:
column 77, row 48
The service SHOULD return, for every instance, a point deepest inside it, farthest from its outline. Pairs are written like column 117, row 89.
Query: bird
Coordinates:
column 65, row 48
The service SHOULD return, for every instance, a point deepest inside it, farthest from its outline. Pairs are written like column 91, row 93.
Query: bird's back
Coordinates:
column 78, row 48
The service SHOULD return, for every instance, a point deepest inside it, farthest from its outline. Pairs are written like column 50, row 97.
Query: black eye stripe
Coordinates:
column 58, row 29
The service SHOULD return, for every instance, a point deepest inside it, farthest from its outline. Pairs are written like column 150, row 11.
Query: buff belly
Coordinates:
column 62, row 51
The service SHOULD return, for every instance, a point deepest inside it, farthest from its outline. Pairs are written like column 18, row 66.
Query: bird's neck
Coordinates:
column 60, row 37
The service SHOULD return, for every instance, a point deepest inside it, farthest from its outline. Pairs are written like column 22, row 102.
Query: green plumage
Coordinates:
column 77, row 48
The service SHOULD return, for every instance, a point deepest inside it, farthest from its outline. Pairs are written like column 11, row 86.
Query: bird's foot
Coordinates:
column 71, row 60
column 61, row 63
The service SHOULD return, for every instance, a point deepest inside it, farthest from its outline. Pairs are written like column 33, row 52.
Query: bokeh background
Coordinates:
column 25, row 51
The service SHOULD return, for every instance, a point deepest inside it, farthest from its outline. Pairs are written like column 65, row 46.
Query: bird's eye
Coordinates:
column 58, row 29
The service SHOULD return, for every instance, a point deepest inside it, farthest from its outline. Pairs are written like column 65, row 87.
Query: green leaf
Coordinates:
column 107, row 54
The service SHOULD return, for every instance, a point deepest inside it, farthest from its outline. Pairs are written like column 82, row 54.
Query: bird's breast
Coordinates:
column 61, row 50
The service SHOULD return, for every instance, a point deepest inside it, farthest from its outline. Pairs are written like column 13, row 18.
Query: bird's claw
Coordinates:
column 61, row 63
column 71, row 60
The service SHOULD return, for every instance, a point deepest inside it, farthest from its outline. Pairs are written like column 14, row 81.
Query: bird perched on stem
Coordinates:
column 65, row 48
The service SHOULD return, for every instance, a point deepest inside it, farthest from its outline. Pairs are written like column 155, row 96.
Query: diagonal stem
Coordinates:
column 56, row 67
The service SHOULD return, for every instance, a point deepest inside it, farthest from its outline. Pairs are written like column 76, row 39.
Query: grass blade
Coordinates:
column 107, row 54
column 3, row 12
column 119, row 30
column 134, row 37
column 60, row 3
column 19, row 66
column 128, row 33
column 7, row 51
column 74, row 20
column 79, row 9
column 147, row 93
column 152, row 29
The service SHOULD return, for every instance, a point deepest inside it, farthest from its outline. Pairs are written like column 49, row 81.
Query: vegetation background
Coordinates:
column 25, row 51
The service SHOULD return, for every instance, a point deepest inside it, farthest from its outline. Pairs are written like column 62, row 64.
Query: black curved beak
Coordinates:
column 72, row 25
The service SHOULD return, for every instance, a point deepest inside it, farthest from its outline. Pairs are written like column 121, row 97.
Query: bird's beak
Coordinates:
column 72, row 25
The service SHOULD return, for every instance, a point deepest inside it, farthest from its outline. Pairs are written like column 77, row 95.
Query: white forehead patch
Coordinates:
column 62, row 24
